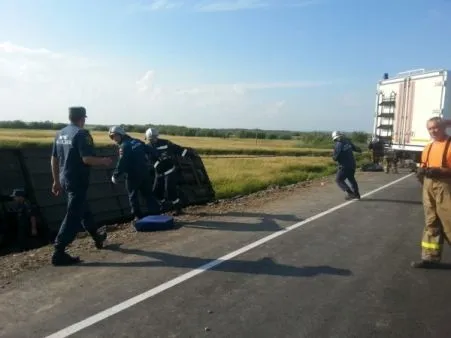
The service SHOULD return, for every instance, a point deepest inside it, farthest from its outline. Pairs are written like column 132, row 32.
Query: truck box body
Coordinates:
column 404, row 103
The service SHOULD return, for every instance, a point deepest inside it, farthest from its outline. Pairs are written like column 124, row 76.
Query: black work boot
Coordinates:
column 61, row 258
column 349, row 196
column 178, row 210
column 99, row 239
column 425, row 264
column 133, row 222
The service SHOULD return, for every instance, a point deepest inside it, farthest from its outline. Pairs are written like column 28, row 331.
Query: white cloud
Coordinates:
column 242, row 88
column 39, row 84
column 274, row 109
column 155, row 5
column 352, row 100
column 145, row 83
column 215, row 5
column 236, row 5
column 305, row 3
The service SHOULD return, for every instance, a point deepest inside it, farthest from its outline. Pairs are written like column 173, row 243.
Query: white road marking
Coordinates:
column 180, row 279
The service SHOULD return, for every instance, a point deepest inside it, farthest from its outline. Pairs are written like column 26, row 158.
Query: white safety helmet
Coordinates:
column 336, row 135
column 116, row 130
column 151, row 133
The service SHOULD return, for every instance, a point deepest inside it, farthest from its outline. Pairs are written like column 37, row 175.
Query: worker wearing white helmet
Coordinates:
column 336, row 135
column 152, row 133
column 132, row 162
column 343, row 154
column 165, row 184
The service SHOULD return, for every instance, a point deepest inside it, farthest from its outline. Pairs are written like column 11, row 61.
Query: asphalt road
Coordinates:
column 344, row 274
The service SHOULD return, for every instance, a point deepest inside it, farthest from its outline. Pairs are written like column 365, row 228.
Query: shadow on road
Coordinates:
column 390, row 201
column 267, row 222
column 264, row 266
column 281, row 217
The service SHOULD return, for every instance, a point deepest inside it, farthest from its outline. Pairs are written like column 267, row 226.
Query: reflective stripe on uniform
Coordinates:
column 184, row 152
column 432, row 246
column 167, row 172
column 176, row 201
column 156, row 164
column 162, row 147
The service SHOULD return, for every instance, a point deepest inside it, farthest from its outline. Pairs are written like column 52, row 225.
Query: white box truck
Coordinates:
column 403, row 105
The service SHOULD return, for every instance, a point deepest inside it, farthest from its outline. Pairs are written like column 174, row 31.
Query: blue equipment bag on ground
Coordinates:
column 153, row 223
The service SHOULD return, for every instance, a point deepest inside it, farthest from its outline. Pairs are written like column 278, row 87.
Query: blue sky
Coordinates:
column 286, row 64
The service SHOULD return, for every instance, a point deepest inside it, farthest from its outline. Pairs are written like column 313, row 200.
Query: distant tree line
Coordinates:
column 306, row 138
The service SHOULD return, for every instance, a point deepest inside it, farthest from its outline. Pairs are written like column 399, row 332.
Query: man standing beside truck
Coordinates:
column 435, row 175
column 377, row 148
column 390, row 161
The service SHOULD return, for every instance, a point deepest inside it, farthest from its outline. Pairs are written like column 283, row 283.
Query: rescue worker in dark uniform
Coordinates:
column 390, row 161
column 26, row 218
column 377, row 148
column 133, row 162
column 72, row 157
column 3, row 226
column 343, row 154
column 165, row 183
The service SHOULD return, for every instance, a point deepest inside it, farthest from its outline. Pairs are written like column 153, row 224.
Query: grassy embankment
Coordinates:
column 230, row 176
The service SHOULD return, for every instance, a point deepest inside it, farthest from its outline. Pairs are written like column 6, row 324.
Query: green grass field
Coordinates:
column 203, row 145
column 230, row 176
column 237, row 176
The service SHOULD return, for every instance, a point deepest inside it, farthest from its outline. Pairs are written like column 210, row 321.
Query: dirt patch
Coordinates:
column 13, row 264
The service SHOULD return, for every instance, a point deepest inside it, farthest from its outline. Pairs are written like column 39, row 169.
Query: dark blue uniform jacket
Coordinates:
column 343, row 153
column 71, row 144
column 133, row 159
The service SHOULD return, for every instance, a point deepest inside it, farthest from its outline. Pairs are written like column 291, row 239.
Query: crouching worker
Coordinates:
column 165, row 184
column 435, row 175
column 26, row 218
column 132, row 162
column 343, row 154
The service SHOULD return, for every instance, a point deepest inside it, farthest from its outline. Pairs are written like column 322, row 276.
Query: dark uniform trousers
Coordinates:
column 348, row 173
column 143, row 186
column 78, row 213
column 23, row 225
column 165, row 187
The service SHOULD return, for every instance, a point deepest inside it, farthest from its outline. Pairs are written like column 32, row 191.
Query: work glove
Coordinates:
column 113, row 179
column 433, row 172
column 420, row 173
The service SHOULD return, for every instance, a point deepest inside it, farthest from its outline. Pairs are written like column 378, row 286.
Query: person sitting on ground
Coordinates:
column 26, row 218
